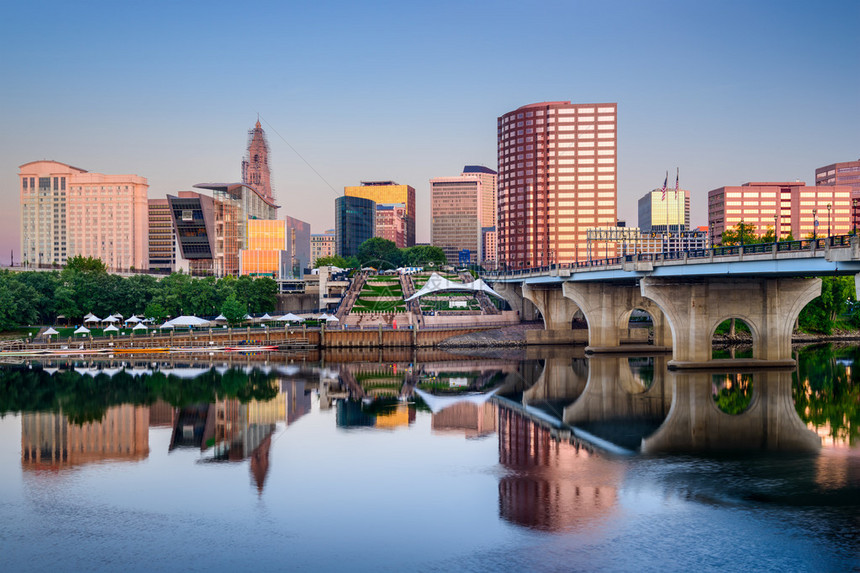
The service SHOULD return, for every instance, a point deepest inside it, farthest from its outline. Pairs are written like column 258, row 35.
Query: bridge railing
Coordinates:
column 731, row 250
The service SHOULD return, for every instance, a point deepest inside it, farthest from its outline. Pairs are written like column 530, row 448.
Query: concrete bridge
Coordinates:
column 687, row 294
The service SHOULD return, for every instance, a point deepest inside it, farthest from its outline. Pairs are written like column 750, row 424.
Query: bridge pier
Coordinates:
column 696, row 424
column 607, row 308
column 557, row 312
column 695, row 309
column 513, row 294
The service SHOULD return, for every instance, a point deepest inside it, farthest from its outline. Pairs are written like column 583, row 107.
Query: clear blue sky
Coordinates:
column 728, row 91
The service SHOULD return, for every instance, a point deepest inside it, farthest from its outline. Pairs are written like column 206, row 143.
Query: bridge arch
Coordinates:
column 737, row 321
column 607, row 309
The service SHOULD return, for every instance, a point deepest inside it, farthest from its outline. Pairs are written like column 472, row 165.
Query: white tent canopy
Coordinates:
column 324, row 316
column 111, row 328
column 132, row 320
column 92, row 318
column 82, row 330
column 139, row 326
column 219, row 317
column 266, row 317
column 290, row 317
column 438, row 283
column 188, row 321
column 166, row 325
column 332, row 318
column 89, row 315
column 50, row 331
column 111, row 319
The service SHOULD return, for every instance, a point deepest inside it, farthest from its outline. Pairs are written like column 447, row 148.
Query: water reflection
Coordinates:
column 552, row 484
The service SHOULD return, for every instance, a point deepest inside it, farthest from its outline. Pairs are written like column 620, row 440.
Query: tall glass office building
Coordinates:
column 355, row 222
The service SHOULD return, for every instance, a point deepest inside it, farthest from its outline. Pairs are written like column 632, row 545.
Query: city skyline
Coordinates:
column 712, row 95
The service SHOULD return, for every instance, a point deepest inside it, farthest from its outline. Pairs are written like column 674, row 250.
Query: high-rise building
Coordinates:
column 845, row 173
column 791, row 207
column 322, row 245
column 298, row 246
column 389, row 192
column 67, row 211
column 460, row 209
column 660, row 212
column 391, row 221
column 557, row 179
column 255, row 165
column 355, row 222
column 162, row 239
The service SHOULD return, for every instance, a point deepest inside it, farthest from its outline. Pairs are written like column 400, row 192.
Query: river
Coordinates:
column 538, row 460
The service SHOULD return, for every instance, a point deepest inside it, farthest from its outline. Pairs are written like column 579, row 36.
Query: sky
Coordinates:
column 725, row 91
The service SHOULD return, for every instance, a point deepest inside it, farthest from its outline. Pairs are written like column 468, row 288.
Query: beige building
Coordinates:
column 67, row 211
column 557, row 179
column 322, row 245
column 461, row 209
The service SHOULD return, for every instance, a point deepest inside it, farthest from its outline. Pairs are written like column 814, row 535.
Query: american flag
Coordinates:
column 665, row 183
column 677, row 173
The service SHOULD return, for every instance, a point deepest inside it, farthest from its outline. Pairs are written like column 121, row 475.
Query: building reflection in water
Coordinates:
column 50, row 441
column 552, row 484
column 472, row 420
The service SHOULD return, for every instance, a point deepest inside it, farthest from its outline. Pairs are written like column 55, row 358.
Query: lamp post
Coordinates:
column 854, row 214
column 814, row 224
column 712, row 234
column 828, row 220
column 776, row 228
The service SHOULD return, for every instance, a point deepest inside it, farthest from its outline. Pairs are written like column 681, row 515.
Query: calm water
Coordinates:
column 547, row 461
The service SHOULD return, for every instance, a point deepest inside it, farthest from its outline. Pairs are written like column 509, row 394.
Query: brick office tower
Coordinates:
column 255, row 166
column 557, row 179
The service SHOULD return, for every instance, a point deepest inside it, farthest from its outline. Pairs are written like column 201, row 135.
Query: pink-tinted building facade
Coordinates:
column 845, row 173
column 791, row 207
column 557, row 179
column 68, row 211
column 391, row 222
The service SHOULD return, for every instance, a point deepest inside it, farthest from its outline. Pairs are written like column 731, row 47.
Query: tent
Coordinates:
column 132, row 320
column 266, row 318
column 332, row 318
column 188, row 321
column 82, row 330
column 89, row 315
column 117, row 315
column 290, row 317
column 111, row 328
column 437, row 283
column 139, row 326
column 323, row 316
column 220, row 317
column 111, row 319
column 50, row 332
column 92, row 318
column 166, row 325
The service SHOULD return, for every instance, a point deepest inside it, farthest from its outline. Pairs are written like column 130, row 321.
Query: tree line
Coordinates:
column 383, row 254
column 84, row 285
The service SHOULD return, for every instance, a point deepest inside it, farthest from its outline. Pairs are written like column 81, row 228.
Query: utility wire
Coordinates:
column 275, row 131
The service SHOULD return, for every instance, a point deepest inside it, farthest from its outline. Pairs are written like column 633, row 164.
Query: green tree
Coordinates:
column 742, row 233
column 423, row 256
column 333, row 261
column 821, row 314
column 81, row 263
column 379, row 253
column 233, row 310
column 156, row 312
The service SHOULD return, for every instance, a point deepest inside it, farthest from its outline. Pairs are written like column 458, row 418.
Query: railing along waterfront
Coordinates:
column 805, row 245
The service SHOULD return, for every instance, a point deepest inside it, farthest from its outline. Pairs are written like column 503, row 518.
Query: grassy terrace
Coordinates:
column 374, row 289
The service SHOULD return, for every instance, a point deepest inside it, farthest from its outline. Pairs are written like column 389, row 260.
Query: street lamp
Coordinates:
column 828, row 220
column 854, row 214
column 814, row 224
column 775, row 228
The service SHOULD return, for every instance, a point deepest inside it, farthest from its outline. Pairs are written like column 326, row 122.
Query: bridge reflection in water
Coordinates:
column 559, row 440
